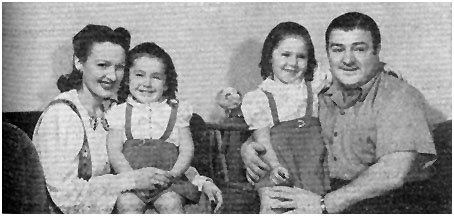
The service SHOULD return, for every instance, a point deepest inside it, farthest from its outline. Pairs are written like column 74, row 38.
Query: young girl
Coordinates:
column 152, row 130
column 70, row 136
column 282, row 112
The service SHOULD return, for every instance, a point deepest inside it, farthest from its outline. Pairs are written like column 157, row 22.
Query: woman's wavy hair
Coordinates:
column 82, row 44
column 280, row 32
column 151, row 50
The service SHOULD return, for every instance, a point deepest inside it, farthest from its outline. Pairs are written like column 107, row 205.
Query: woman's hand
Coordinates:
column 295, row 200
column 256, row 168
column 214, row 195
column 149, row 177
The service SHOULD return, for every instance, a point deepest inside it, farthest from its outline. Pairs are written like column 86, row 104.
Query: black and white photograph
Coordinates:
column 227, row 107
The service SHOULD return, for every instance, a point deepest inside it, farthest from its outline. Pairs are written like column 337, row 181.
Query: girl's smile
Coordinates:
column 289, row 60
column 147, row 79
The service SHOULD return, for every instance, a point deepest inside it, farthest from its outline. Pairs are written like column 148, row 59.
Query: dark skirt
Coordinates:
column 299, row 148
column 142, row 153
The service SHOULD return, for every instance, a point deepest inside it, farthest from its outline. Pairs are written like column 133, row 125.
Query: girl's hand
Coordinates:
column 279, row 175
column 147, row 178
column 164, row 184
column 214, row 195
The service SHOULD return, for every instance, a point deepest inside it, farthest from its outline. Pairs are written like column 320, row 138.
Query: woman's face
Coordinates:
column 103, row 70
column 289, row 60
column 147, row 79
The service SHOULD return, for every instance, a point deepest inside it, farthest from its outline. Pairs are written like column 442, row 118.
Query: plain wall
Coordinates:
column 214, row 45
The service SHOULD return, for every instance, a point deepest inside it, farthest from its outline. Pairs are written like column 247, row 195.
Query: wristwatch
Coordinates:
column 322, row 205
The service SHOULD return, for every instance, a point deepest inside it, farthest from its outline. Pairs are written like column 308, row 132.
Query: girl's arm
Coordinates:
column 114, row 150
column 262, row 135
column 186, row 152
column 206, row 185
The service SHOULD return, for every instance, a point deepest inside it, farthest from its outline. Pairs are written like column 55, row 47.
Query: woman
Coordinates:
column 70, row 136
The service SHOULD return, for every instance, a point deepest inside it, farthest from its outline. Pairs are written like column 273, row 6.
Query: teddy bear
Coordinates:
column 229, row 99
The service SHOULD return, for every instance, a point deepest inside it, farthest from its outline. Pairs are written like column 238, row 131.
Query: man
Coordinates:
column 373, row 125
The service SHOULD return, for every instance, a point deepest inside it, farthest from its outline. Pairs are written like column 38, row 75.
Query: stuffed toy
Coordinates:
column 230, row 99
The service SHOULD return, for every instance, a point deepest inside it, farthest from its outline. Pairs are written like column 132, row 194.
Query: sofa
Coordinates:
column 22, row 189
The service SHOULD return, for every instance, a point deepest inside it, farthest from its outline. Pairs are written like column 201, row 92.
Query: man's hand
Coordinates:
column 295, row 200
column 256, row 168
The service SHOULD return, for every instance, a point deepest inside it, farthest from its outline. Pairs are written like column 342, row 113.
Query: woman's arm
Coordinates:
column 186, row 152
column 114, row 150
column 58, row 139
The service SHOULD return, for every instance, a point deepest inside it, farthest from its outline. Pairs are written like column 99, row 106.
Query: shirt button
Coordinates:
column 342, row 112
column 335, row 158
column 335, row 134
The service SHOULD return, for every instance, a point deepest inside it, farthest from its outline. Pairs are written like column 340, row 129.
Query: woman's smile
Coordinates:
column 107, row 84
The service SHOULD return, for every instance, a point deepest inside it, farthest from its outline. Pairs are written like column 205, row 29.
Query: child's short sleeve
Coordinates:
column 256, row 111
column 185, row 111
column 116, row 117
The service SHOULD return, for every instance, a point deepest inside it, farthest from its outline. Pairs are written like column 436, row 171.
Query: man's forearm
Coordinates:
column 387, row 174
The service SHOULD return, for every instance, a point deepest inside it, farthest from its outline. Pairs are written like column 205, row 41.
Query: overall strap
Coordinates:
column 128, row 115
column 310, row 99
column 171, row 123
column 273, row 107
column 84, row 170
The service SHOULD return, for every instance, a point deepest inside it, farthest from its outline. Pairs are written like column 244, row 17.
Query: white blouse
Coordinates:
column 58, row 140
column 291, row 101
column 149, row 120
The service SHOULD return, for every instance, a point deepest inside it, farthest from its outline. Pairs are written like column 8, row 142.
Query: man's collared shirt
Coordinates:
column 384, row 116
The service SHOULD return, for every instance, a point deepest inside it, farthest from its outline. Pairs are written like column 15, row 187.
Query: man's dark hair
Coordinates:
column 355, row 20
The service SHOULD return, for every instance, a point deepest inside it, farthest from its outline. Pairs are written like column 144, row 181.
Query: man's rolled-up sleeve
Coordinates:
column 402, row 126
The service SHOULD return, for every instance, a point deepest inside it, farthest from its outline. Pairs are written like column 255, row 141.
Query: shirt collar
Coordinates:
column 73, row 96
column 131, row 100
column 275, row 86
column 336, row 91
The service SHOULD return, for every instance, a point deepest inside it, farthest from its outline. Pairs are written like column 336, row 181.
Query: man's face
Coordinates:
column 352, row 57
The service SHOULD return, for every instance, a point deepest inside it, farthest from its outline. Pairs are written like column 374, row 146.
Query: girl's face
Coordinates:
column 289, row 60
column 147, row 79
column 103, row 70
